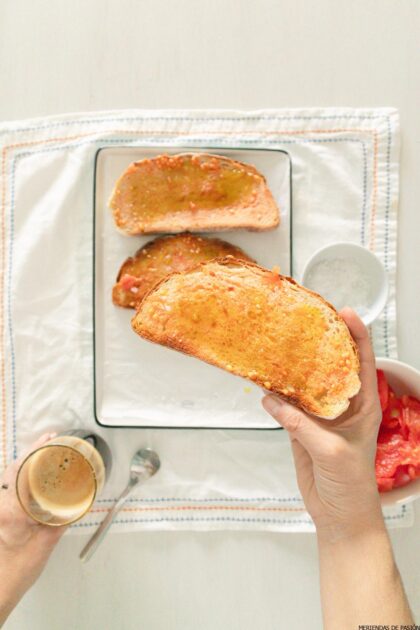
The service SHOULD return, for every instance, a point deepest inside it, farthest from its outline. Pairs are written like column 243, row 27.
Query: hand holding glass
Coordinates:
column 58, row 483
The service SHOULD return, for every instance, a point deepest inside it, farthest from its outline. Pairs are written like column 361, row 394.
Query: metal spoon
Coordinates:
column 145, row 464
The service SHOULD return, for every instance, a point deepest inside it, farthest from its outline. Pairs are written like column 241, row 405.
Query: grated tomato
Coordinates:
column 398, row 448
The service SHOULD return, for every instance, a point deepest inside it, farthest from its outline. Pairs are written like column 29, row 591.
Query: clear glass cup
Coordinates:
column 58, row 483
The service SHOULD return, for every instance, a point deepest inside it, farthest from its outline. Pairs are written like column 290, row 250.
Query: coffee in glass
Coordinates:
column 58, row 483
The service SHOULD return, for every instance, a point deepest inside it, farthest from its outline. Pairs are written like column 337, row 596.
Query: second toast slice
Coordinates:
column 162, row 256
column 260, row 325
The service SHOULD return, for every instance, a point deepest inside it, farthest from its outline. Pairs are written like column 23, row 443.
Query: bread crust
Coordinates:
column 256, row 212
column 300, row 400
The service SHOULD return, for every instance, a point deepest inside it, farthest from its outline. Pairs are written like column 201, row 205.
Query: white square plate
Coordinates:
column 140, row 384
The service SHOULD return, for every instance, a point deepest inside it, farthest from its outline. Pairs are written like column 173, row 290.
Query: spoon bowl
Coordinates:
column 144, row 462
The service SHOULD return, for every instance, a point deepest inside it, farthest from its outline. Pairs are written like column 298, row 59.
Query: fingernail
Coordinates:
column 272, row 405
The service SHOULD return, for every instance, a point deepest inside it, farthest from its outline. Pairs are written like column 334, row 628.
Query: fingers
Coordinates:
column 360, row 334
column 43, row 439
column 10, row 472
column 296, row 422
column 46, row 437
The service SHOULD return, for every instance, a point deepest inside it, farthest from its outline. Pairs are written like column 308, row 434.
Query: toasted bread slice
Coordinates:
column 260, row 325
column 195, row 192
column 163, row 256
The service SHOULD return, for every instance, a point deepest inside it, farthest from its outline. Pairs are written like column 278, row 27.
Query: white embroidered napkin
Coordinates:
column 345, row 187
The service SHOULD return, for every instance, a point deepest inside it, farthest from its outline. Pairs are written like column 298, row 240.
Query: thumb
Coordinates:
column 43, row 439
column 46, row 437
column 296, row 422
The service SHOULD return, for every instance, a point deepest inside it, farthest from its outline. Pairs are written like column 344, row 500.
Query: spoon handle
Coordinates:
column 94, row 542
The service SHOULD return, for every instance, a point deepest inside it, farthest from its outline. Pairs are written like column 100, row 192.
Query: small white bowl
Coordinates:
column 349, row 256
column 404, row 380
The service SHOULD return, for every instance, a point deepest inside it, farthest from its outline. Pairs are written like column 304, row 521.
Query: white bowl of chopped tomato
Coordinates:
column 398, row 450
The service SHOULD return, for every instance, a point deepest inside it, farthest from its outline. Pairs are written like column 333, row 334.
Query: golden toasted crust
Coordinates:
column 162, row 256
column 194, row 192
column 260, row 325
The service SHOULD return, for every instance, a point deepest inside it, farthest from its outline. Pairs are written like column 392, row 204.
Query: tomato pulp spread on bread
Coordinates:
column 162, row 256
column 260, row 325
column 192, row 192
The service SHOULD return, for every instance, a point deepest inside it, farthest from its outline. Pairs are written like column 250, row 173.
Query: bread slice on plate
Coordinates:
column 163, row 256
column 192, row 191
column 260, row 325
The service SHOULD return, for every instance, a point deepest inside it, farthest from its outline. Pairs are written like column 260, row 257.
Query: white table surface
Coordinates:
column 79, row 55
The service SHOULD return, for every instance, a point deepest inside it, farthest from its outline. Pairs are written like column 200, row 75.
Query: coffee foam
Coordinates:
column 61, row 480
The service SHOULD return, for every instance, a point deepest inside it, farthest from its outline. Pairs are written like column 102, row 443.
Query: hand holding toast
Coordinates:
column 335, row 459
